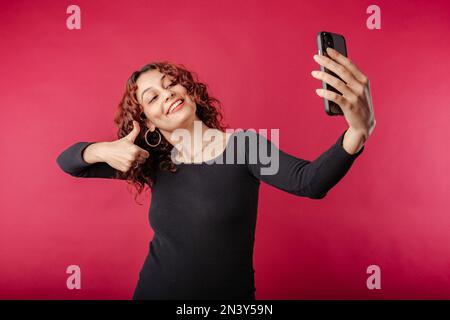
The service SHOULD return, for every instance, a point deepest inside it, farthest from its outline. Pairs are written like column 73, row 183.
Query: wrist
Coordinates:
column 353, row 140
column 361, row 134
column 95, row 152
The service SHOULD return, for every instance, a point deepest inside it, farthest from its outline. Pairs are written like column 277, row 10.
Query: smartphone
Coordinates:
column 336, row 41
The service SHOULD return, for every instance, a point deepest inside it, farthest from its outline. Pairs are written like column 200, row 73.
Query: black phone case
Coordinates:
column 327, row 39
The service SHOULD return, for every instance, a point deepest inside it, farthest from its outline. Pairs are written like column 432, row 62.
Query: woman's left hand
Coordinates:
column 356, row 100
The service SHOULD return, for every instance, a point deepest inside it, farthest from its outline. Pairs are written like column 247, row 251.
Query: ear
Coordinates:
column 150, row 125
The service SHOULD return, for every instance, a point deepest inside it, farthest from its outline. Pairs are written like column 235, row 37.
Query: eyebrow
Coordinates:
column 142, row 94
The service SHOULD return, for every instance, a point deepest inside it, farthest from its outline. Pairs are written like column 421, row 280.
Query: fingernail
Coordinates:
column 314, row 73
column 316, row 57
column 318, row 91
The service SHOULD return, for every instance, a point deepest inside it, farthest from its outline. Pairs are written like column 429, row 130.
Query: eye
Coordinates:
column 169, row 86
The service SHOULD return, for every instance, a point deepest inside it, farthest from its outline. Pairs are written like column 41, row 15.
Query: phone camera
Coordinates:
column 328, row 41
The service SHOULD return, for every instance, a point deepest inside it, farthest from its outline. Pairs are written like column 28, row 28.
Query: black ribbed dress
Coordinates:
column 204, row 215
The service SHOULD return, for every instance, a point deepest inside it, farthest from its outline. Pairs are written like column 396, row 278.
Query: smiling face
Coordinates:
column 158, row 94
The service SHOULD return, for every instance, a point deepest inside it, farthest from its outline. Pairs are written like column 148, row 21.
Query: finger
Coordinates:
column 136, row 163
column 144, row 153
column 141, row 159
column 137, row 151
column 341, row 71
column 124, row 169
column 335, row 97
column 134, row 133
column 335, row 82
column 347, row 63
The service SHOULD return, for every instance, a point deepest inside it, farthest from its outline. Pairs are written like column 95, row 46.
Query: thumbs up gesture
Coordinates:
column 123, row 154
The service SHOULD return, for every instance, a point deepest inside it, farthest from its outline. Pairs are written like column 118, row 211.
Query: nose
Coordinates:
column 169, row 96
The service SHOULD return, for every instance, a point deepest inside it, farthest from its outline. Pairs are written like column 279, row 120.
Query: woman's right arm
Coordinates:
column 103, row 159
column 85, row 159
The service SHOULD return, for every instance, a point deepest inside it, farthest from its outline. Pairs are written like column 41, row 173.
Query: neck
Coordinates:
column 190, row 142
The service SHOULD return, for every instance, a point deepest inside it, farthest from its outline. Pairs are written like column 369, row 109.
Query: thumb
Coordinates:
column 134, row 133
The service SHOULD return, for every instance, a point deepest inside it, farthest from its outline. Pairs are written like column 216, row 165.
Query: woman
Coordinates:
column 203, row 214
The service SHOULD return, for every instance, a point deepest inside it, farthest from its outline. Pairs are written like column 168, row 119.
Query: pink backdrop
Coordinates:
column 60, row 86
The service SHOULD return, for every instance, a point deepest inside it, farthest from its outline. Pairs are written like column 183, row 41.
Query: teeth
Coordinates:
column 175, row 105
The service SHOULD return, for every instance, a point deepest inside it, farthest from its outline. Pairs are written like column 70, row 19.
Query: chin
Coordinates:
column 183, row 121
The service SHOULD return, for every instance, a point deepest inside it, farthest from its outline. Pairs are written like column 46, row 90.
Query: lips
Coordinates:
column 176, row 104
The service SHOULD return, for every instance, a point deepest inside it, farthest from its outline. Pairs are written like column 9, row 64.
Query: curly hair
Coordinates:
column 129, row 109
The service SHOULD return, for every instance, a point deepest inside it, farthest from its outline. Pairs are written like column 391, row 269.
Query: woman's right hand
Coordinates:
column 123, row 154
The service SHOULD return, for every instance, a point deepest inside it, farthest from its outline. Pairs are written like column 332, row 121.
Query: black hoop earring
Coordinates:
column 152, row 145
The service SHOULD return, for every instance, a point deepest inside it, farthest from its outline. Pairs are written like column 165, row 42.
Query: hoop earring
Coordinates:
column 152, row 145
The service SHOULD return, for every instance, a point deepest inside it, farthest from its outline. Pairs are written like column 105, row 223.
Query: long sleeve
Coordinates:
column 71, row 161
column 312, row 179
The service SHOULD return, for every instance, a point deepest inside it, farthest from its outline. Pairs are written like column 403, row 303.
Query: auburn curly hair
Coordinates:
column 209, row 111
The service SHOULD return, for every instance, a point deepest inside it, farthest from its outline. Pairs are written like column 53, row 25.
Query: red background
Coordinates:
column 61, row 86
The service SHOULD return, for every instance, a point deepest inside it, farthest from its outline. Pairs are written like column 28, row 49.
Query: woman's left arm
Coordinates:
column 355, row 101
column 295, row 175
